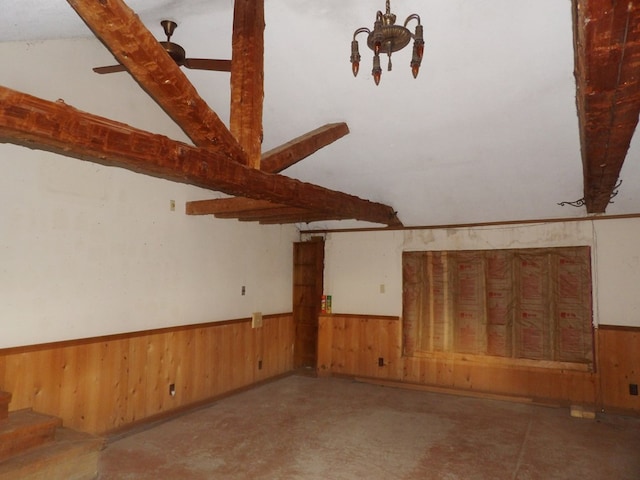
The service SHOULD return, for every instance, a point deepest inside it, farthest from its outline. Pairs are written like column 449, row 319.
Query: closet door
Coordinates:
column 308, row 268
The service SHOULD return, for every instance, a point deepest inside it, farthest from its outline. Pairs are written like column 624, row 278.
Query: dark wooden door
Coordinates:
column 308, row 267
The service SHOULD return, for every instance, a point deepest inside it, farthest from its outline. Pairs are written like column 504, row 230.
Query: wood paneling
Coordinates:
column 354, row 345
column 619, row 365
column 102, row 384
column 357, row 342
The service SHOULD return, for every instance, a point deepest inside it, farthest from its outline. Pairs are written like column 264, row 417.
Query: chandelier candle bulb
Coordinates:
column 355, row 58
column 387, row 37
column 377, row 70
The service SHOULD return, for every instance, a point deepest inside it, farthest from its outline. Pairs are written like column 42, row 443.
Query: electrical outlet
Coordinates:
column 256, row 320
column 243, row 290
column 381, row 362
column 172, row 205
column 633, row 389
column 172, row 389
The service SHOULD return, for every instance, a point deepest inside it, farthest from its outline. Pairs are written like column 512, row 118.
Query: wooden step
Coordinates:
column 25, row 429
column 5, row 399
column 71, row 456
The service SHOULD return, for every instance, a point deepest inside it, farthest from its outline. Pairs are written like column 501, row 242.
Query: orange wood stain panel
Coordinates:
column 619, row 366
column 102, row 384
column 358, row 341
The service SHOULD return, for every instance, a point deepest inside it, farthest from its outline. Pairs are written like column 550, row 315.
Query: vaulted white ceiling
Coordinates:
column 487, row 132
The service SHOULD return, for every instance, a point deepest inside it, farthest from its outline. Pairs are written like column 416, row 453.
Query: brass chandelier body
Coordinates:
column 387, row 37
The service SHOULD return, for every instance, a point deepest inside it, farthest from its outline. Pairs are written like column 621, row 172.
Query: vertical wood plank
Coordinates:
column 619, row 367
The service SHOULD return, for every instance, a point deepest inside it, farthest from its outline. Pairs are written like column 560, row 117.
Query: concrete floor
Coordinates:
column 308, row 428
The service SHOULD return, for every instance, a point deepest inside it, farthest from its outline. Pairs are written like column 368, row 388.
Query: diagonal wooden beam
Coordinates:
column 274, row 161
column 55, row 126
column 122, row 32
column 290, row 153
column 607, row 59
column 247, row 73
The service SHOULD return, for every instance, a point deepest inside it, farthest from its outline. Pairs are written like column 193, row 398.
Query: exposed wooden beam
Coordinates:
column 247, row 73
column 301, row 218
column 607, row 58
column 227, row 205
column 122, row 32
column 290, row 153
column 55, row 126
column 257, row 215
column 249, row 210
column 273, row 161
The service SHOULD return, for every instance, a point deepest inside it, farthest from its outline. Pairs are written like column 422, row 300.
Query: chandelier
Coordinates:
column 387, row 37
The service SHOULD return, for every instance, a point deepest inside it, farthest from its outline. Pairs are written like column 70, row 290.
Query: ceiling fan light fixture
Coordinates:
column 388, row 37
column 175, row 51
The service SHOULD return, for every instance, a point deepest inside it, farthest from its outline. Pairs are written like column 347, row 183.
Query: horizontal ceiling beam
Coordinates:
column 228, row 205
column 249, row 210
column 262, row 214
column 607, row 61
column 54, row 126
column 300, row 218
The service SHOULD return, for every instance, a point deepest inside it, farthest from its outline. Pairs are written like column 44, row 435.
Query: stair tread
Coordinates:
column 25, row 429
column 27, row 419
column 64, row 454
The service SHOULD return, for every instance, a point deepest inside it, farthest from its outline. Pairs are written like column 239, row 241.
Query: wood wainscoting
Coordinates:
column 371, row 347
column 105, row 384
column 619, row 362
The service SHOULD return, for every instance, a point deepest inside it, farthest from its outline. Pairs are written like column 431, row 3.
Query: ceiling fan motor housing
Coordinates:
column 175, row 51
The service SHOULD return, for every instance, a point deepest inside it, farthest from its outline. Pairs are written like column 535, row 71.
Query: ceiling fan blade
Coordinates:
column 110, row 69
column 208, row 64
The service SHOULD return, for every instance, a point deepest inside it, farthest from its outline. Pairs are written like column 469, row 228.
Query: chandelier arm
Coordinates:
column 413, row 16
column 361, row 30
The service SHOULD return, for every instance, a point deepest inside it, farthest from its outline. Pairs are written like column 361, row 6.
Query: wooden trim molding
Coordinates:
column 124, row 336
column 619, row 328
column 359, row 316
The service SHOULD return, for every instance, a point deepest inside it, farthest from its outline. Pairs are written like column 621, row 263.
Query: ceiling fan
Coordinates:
column 178, row 54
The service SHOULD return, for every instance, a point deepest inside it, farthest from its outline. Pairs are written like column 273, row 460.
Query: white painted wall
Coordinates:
column 88, row 250
column 617, row 262
column 357, row 264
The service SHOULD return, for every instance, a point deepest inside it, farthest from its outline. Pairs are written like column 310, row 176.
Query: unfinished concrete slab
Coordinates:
column 329, row 428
